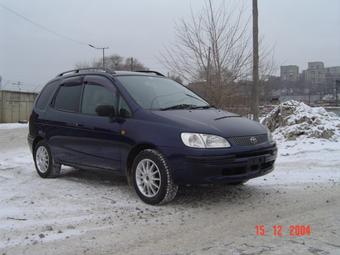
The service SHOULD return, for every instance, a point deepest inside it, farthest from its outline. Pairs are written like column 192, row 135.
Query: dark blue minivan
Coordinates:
column 147, row 127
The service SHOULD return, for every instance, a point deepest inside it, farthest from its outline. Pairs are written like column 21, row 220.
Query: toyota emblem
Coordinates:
column 253, row 140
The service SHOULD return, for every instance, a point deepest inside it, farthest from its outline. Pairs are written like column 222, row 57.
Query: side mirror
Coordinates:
column 105, row 110
column 124, row 113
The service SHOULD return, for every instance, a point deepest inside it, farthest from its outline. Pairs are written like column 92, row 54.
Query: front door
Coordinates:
column 98, row 138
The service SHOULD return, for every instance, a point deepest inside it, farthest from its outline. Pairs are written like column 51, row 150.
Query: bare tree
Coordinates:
column 213, row 50
column 213, row 46
column 116, row 62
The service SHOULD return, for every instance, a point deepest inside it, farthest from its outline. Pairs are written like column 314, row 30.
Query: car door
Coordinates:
column 61, row 118
column 99, row 136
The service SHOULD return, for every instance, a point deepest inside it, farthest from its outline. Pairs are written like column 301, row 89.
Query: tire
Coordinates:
column 44, row 162
column 155, row 173
column 238, row 183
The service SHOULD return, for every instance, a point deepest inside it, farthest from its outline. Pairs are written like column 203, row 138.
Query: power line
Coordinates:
column 42, row 26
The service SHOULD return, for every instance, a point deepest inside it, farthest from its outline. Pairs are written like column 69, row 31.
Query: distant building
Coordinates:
column 332, row 74
column 289, row 73
column 316, row 65
column 316, row 73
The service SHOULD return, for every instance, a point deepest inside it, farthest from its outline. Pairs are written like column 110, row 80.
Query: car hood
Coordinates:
column 211, row 121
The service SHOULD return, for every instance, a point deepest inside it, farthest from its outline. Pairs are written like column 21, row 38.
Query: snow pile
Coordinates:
column 293, row 120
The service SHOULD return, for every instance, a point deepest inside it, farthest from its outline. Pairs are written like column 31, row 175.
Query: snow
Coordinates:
column 81, row 205
column 308, row 141
column 293, row 120
column 303, row 163
column 13, row 125
column 54, row 216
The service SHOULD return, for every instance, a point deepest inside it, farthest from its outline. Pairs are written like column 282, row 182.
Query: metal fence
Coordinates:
column 15, row 106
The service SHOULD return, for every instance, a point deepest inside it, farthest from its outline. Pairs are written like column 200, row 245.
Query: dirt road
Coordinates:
column 85, row 212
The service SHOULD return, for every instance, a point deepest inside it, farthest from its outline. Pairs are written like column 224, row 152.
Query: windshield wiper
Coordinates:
column 178, row 107
column 203, row 107
column 187, row 106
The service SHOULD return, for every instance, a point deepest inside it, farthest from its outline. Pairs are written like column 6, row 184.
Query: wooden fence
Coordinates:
column 15, row 106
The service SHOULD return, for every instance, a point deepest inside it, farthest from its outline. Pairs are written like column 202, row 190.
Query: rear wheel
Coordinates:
column 44, row 162
column 152, row 178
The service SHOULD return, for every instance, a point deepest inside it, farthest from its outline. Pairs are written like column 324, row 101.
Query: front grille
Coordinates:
column 248, row 140
column 239, row 170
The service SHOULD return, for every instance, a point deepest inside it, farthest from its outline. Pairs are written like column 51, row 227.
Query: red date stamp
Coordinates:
column 279, row 230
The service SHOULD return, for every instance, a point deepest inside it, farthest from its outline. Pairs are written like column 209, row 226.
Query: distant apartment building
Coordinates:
column 332, row 74
column 316, row 73
column 289, row 73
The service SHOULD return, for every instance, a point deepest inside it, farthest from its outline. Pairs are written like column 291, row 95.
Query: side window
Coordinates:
column 124, row 110
column 96, row 95
column 68, row 98
column 45, row 95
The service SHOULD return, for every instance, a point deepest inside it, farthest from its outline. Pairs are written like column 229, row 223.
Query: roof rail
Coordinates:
column 150, row 71
column 79, row 70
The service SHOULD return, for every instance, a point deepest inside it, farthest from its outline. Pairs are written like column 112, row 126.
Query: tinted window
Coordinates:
column 45, row 95
column 68, row 98
column 95, row 95
column 155, row 92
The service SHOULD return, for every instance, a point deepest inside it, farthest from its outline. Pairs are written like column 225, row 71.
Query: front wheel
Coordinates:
column 238, row 183
column 44, row 162
column 152, row 178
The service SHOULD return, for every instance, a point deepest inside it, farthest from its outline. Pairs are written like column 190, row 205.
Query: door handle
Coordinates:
column 73, row 124
column 83, row 126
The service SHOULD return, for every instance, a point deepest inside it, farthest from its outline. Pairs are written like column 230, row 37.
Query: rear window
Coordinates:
column 45, row 95
column 68, row 98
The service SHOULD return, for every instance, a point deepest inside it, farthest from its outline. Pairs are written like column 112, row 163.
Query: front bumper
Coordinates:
column 233, row 166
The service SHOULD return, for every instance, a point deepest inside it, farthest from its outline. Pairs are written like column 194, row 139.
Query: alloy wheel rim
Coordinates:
column 42, row 159
column 148, row 178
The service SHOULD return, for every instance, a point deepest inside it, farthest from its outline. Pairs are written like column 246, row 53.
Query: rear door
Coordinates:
column 62, row 119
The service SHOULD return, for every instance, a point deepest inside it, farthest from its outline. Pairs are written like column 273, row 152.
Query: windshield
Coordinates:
column 156, row 93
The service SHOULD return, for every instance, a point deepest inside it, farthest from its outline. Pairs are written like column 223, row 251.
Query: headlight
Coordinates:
column 270, row 136
column 196, row 140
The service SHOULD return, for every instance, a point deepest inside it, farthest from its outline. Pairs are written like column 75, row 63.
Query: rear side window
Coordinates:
column 45, row 95
column 95, row 95
column 68, row 98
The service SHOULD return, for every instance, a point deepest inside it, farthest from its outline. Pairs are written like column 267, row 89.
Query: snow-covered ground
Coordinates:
column 12, row 125
column 85, row 212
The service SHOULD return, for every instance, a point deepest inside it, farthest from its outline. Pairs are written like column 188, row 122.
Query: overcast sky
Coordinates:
column 300, row 30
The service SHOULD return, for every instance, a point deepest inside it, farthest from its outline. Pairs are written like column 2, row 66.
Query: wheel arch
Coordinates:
column 132, row 155
column 36, row 141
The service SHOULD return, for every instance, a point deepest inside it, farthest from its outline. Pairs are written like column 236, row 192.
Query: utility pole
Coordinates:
column 103, row 49
column 103, row 58
column 208, row 67
column 131, row 64
column 255, row 88
column 19, row 83
column 337, row 90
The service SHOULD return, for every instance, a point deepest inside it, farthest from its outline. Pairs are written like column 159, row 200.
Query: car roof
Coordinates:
column 108, row 73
